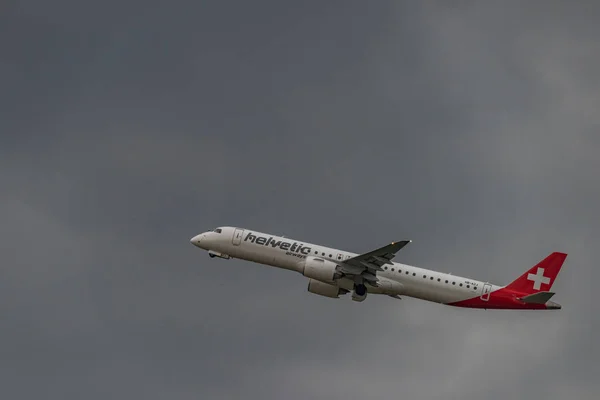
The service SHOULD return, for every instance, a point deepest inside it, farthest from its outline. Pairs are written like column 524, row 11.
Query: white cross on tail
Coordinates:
column 538, row 278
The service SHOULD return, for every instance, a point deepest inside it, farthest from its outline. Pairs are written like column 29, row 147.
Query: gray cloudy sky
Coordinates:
column 127, row 127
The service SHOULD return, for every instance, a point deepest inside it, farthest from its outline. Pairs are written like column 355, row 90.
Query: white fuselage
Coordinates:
column 290, row 254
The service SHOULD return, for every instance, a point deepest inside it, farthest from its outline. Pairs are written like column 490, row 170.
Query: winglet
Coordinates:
column 400, row 244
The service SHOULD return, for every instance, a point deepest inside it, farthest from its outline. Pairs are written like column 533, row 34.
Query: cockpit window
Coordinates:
column 218, row 230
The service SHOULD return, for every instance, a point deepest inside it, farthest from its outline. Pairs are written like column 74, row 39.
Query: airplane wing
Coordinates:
column 366, row 265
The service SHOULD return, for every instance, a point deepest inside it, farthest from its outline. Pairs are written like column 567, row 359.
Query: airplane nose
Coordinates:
column 196, row 240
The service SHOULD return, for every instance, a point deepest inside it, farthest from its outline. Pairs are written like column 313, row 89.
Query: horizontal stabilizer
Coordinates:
column 537, row 298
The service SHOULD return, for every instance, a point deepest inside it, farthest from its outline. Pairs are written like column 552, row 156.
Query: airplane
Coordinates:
column 332, row 272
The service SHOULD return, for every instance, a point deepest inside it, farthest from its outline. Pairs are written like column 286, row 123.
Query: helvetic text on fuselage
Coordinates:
column 293, row 249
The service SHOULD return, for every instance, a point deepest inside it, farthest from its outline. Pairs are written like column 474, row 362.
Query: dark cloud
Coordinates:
column 129, row 127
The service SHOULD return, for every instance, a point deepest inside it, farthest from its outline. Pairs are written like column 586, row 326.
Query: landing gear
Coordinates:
column 359, row 293
column 214, row 254
column 360, row 289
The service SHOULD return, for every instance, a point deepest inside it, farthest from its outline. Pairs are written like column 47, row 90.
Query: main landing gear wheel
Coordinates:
column 360, row 289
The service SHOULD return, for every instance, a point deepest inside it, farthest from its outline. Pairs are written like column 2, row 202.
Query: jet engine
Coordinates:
column 321, row 270
column 325, row 289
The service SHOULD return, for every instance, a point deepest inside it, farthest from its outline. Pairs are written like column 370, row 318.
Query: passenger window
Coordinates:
column 414, row 274
column 468, row 286
column 460, row 284
column 446, row 281
column 454, row 283
column 392, row 269
column 431, row 278
column 439, row 279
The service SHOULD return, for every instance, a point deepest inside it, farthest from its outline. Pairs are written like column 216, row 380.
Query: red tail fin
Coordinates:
column 541, row 277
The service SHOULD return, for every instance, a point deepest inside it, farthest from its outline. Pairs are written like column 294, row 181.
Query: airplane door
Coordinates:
column 485, row 294
column 237, row 236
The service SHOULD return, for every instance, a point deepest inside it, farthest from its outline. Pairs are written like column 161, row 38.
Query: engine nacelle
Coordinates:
column 324, row 289
column 319, row 269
